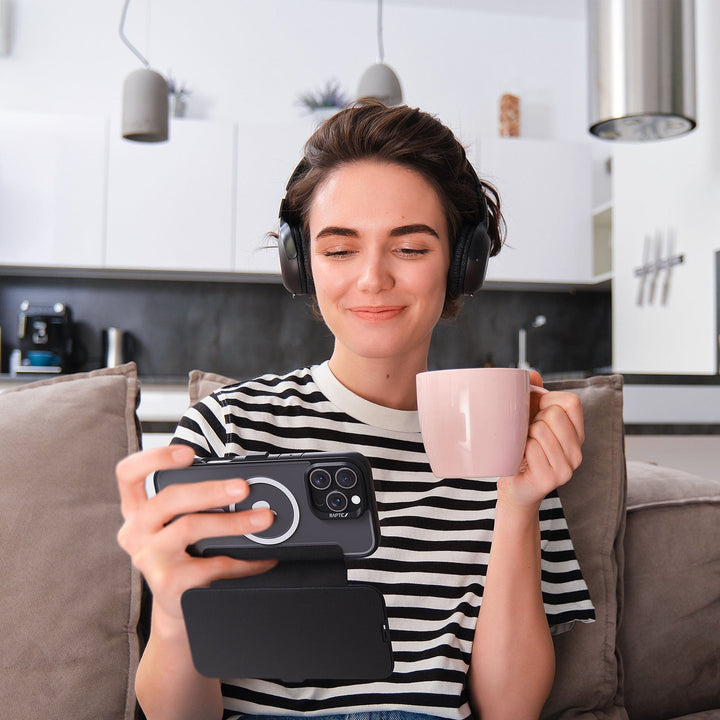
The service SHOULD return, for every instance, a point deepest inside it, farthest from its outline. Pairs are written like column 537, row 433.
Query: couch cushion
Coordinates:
column 670, row 634
column 588, row 679
column 70, row 601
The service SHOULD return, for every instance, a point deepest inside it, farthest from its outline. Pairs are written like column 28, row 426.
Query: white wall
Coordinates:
column 252, row 59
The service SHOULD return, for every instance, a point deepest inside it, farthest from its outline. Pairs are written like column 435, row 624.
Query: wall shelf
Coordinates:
column 602, row 240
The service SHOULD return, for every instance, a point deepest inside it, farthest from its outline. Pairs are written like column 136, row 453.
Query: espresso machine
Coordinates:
column 45, row 337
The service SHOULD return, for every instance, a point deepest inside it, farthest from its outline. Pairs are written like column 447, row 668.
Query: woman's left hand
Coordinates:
column 552, row 451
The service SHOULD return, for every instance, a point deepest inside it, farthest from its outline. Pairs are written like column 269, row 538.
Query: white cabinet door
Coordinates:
column 170, row 205
column 267, row 155
column 667, row 203
column 52, row 189
column 545, row 195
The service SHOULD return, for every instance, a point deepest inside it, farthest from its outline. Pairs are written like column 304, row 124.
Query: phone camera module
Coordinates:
column 320, row 479
column 346, row 478
column 336, row 490
column 336, row 501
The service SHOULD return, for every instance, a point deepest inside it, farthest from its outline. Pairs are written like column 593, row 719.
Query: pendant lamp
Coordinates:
column 641, row 68
column 145, row 99
column 5, row 20
column 379, row 81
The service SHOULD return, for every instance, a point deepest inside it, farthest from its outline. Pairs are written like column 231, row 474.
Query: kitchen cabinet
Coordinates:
column 170, row 206
column 52, row 189
column 203, row 201
column 666, row 204
column 545, row 191
column 75, row 194
column 267, row 155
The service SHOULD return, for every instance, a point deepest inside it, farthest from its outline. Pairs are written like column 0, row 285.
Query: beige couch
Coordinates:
column 71, row 603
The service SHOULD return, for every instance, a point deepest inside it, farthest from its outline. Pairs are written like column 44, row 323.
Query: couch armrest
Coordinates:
column 668, row 637
column 588, row 679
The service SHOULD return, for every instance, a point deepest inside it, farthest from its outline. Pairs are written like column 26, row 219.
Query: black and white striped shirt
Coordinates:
column 434, row 548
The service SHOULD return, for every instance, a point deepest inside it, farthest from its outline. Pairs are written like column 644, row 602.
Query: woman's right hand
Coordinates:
column 158, row 547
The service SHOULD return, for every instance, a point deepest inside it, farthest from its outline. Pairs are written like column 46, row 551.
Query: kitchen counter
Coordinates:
column 672, row 420
column 666, row 404
column 640, row 379
column 7, row 381
column 653, row 404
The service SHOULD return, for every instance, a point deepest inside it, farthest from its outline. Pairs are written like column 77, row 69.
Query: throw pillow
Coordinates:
column 71, row 599
column 201, row 384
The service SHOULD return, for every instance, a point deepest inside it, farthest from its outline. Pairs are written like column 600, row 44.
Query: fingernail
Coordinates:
column 261, row 518
column 182, row 453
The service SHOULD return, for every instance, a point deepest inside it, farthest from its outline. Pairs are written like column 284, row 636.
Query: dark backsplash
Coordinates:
column 245, row 329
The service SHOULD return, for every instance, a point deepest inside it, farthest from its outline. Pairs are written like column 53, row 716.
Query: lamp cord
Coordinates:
column 381, row 49
column 143, row 60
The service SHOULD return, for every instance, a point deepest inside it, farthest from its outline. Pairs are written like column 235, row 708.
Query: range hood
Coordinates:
column 641, row 68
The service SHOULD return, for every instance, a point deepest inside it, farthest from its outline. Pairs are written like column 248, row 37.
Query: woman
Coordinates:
column 381, row 198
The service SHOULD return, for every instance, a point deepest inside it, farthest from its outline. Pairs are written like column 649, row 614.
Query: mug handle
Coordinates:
column 538, row 389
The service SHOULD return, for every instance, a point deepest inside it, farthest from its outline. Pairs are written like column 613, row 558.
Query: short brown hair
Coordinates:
column 404, row 136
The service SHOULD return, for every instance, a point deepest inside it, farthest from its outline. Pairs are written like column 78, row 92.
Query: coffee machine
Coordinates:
column 46, row 338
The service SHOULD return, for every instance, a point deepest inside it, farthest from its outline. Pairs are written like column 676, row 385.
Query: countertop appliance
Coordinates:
column 45, row 337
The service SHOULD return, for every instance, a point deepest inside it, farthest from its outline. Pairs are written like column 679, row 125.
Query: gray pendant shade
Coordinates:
column 641, row 68
column 145, row 106
column 380, row 81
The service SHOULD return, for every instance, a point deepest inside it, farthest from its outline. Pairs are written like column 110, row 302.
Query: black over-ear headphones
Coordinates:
column 291, row 245
column 467, row 266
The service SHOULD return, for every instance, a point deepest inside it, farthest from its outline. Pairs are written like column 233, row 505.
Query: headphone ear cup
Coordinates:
column 469, row 261
column 456, row 276
column 292, row 259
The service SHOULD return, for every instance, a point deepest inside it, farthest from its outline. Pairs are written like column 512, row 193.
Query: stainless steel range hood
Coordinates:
column 641, row 68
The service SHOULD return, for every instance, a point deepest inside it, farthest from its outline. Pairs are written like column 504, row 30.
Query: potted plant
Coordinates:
column 324, row 102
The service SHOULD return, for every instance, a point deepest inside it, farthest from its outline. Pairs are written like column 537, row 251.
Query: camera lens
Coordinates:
column 320, row 479
column 346, row 478
column 336, row 501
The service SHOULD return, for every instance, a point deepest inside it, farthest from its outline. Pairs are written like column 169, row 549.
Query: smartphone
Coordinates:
column 320, row 500
column 325, row 511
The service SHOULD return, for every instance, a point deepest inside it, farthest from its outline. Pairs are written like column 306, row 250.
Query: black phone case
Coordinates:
column 281, row 481
column 302, row 620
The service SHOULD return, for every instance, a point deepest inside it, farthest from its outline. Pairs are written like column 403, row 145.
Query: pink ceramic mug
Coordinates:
column 474, row 421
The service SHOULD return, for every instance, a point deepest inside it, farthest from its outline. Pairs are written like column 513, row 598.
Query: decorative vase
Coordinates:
column 178, row 106
column 509, row 115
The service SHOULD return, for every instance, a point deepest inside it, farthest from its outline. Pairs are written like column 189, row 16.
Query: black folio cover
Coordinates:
column 300, row 621
column 289, row 634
